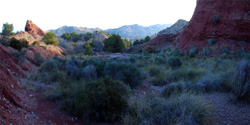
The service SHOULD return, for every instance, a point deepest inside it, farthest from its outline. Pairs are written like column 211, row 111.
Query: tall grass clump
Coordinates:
column 241, row 81
column 177, row 110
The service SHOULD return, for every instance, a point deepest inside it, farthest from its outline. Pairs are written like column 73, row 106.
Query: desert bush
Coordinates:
column 103, row 100
column 72, row 70
column 97, row 45
column 126, row 72
column 211, row 41
column 154, row 70
column 211, row 83
column 88, row 50
column 38, row 59
column 49, row 65
column 24, row 43
column 149, row 49
column 224, row 50
column 192, row 51
column 174, row 62
column 178, row 110
column 36, row 43
column 175, row 88
column 207, row 51
column 216, row 19
column 50, row 38
column 241, row 81
column 89, row 72
column 98, row 63
column 16, row 44
column 19, row 55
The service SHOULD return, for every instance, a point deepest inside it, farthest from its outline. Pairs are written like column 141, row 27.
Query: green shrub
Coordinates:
column 207, row 51
column 24, row 43
column 174, row 89
column 224, row 50
column 241, row 81
column 149, row 49
column 154, row 70
column 19, row 55
column 16, row 44
column 89, row 72
column 211, row 83
column 88, row 50
column 211, row 41
column 98, row 63
column 178, row 110
column 49, row 65
column 50, row 38
column 192, row 51
column 114, row 43
column 103, row 100
column 174, row 62
column 38, row 59
column 216, row 19
column 125, row 72
column 36, row 43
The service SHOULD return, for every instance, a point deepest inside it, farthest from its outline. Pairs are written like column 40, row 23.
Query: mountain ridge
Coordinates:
column 126, row 31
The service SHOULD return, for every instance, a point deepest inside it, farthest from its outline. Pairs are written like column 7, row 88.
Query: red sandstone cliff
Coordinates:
column 227, row 21
column 32, row 29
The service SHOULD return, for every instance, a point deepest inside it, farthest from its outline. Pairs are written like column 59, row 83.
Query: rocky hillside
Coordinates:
column 70, row 29
column 218, row 24
column 137, row 31
column 168, row 35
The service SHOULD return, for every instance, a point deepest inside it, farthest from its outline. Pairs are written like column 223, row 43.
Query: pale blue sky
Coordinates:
column 52, row 14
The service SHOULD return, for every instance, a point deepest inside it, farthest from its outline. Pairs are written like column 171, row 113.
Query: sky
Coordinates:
column 105, row 14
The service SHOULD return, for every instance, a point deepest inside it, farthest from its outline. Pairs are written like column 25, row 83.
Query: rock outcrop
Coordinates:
column 225, row 21
column 32, row 29
column 167, row 36
column 30, row 38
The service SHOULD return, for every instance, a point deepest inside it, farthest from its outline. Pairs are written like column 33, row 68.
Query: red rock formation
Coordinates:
column 32, row 29
column 227, row 21
column 167, row 36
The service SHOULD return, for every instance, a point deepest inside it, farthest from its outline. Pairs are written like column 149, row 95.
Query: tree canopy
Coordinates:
column 50, row 38
column 72, row 36
column 138, row 42
column 114, row 43
column 7, row 29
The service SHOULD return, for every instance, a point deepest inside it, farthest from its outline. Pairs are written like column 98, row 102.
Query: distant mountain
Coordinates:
column 65, row 29
column 137, row 31
column 127, row 31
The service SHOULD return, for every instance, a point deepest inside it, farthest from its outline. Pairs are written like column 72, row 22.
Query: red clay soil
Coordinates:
column 16, row 106
column 228, row 21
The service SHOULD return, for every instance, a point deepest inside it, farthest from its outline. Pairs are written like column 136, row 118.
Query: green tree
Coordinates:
column 137, row 42
column 87, row 49
column 87, row 36
column 114, row 43
column 66, row 36
column 7, row 29
column 50, row 38
column 147, row 38
column 127, row 43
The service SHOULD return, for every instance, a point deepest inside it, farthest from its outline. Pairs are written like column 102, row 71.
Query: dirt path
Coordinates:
column 43, row 111
column 226, row 112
